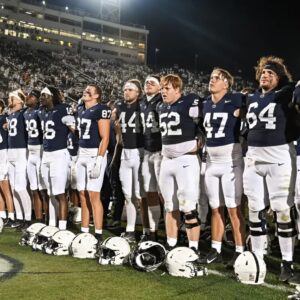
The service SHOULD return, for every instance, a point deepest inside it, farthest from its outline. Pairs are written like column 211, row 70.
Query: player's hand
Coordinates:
column 95, row 172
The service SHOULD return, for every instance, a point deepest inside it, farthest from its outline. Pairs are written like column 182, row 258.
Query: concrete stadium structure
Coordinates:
column 51, row 27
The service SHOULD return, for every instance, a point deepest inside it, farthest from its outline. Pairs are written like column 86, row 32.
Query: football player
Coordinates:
column 127, row 114
column 179, row 178
column 269, row 176
column 35, row 141
column 5, row 190
column 93, row 123
column 17, row 158
column 224, row 167
column 152, row 150
column 56, row 120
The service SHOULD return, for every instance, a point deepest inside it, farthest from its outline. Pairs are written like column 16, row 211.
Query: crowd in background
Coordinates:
column 27, row 68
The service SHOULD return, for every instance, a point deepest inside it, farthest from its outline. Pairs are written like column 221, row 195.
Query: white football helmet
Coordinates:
column 182, row 262
column 148, row 256
column 84, row 245
column 29, row 234
column 1, row 224
column 59, row 243
column 113, row 251
column 250, row 268
column 42, row 237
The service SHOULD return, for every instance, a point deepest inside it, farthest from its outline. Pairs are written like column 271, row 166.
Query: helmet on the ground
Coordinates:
column 114, row 251
column 84, row 245
column 43, row 236
column 29, row 234
column 182, row 262
column 59, row 243
column 148, row 256
column 249, row 268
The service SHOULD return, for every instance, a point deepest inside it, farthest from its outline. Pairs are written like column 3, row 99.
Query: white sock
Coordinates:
column 99, row 231
column 53, row 205
column 287, row 247
column 84, row 229
column 18, row 208
column 216, row 245
column 131, row 216
column 52, row 222
column 193, row 244
column 239, row 249
column 154, row 215
column 259, row 244
column 171, row 241
column 62, row 224
column 3, row 214
column 11, row 216
column 26, row 204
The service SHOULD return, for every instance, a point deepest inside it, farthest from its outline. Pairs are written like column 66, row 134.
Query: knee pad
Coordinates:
column 192, row 215
column 285, row 220
column 258, row 222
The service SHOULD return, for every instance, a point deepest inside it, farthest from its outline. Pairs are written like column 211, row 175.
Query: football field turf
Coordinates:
column 40, row 276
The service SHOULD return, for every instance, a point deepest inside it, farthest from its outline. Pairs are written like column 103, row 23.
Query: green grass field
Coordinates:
column 47, row 277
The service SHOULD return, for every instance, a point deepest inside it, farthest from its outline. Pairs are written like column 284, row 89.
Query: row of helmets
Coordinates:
column 146, row 256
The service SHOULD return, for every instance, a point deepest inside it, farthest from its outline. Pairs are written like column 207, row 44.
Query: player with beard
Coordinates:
column 269, row 176
column 57, row 121
column 152, row 153
column 179, row 178
column 93, row 123
column 127, row 114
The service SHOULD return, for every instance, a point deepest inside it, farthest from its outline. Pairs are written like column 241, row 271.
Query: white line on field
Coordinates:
column 268, row 285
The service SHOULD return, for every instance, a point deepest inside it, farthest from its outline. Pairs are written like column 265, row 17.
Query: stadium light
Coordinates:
column 67, row 8
column 44, row 3
column 2, row 6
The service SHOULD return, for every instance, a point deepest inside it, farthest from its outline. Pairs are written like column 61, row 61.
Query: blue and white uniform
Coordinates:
column 89, row 141
column 152, row 142
column 17, row 159
column 56, row 158
column 3, row 149
column 224, row 167
column 35, row 149
column 129, row 117
column 270, row 159
column 270, row 168
column 179, row 178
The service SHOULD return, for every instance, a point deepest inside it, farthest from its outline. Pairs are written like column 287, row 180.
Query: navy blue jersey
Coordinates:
column 129, row 116
column 33, row 127
column 87, row 124
column 17, row 134
column 221, row 126
column 177, row 121
column 270, row 120
column 150, row 122
column 3, row 133
column 73, row 143
column 297, row 146
column 55, row 132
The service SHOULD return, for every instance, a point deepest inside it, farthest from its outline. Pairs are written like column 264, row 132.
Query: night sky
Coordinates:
column 231, row 34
